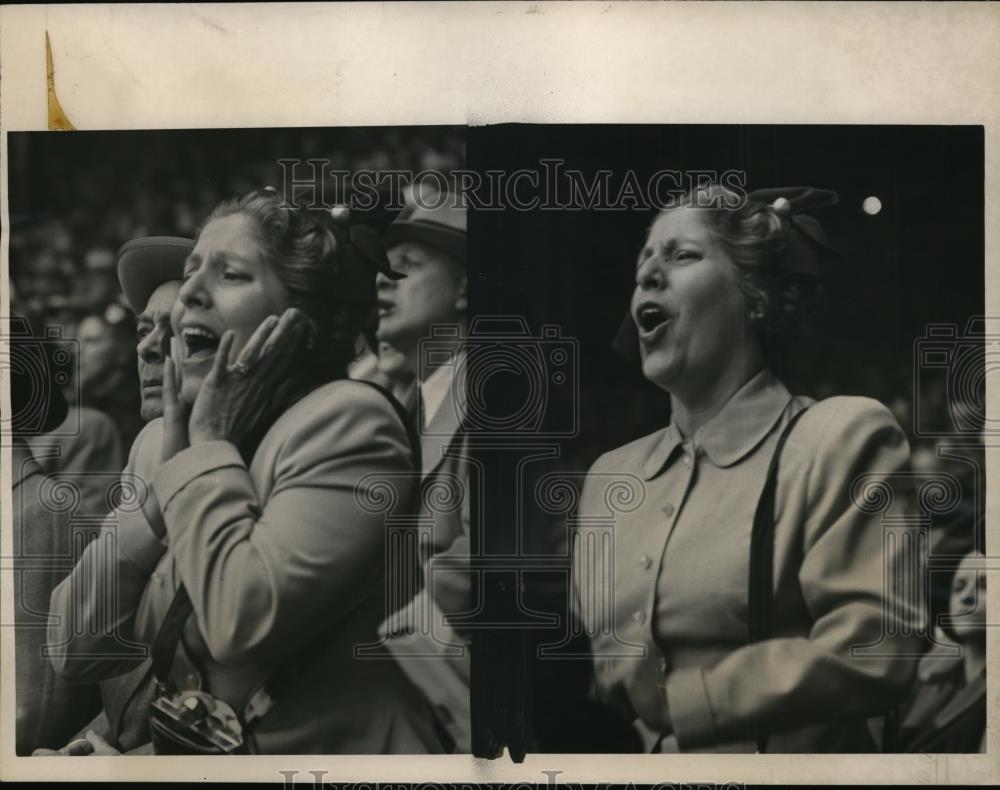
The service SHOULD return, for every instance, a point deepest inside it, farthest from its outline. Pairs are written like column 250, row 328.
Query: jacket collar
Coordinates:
column 436, row 389
column 437, row 435
column 739, row 427
column 23, row 464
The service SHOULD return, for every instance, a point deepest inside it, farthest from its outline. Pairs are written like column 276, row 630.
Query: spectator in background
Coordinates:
column 49, row 709
column 106, row 383
column 93, row 287
column 83, row 451
column 150, row 272
column 947, row 712
column 48, row 280
column 86, row 450
column 428, row 245
column 98, row 207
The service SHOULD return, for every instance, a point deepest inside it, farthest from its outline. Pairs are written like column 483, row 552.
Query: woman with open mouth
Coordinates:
column 256, row 566
column 742, row 604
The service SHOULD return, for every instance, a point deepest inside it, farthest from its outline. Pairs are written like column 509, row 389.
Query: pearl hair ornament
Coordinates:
column 782, row 207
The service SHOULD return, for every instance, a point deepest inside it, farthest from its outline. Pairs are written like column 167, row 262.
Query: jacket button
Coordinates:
column 668, row 509
column 645, row 561
column 639, row 617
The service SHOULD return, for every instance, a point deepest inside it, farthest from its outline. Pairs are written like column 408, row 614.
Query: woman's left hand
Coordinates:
column 237, row 395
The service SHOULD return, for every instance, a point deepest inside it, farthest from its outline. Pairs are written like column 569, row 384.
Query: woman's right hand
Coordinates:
column 175, row 412
column 175, row 439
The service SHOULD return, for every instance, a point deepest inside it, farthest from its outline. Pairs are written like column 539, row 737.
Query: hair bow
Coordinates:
column 807, row 242
column 364, row 258
column 361, row 230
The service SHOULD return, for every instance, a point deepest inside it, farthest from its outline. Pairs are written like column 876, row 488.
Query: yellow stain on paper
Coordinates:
column 58, row 122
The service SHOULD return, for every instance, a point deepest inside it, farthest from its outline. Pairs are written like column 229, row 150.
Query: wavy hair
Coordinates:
column 309, row 257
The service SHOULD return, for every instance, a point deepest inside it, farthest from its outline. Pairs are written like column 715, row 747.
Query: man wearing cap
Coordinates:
column 427, row 244
column 150, row 272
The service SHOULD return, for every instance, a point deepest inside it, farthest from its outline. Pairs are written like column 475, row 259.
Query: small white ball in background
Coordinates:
column 871, row 205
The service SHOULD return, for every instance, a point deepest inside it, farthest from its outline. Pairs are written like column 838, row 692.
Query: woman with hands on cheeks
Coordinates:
column 253, row 567
column 239, row 393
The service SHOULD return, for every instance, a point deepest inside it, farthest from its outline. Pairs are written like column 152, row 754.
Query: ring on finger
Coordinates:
column 240, row 368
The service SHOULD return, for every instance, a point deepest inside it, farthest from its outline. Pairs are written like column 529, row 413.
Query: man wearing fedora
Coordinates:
column 427, row 244
column 150, row 271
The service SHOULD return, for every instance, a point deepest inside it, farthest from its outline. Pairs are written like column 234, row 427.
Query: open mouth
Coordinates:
column 385, row 307
column 650, row 318
column 199, row 342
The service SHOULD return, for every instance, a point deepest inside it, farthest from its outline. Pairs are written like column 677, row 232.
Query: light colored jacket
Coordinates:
column 661, row 569
column 271, row 554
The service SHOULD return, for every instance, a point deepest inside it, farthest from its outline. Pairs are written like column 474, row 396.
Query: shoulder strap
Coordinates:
column 759, row 626
column 762, row 555
column 762, row 546
column 169, row 635
column 405, row 417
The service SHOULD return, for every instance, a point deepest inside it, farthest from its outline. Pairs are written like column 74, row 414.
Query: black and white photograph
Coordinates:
column 214, row 381
column 561, row 394
column 772, row 499
column 743, row 390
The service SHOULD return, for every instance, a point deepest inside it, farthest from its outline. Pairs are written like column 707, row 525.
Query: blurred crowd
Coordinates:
column 69, row 218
